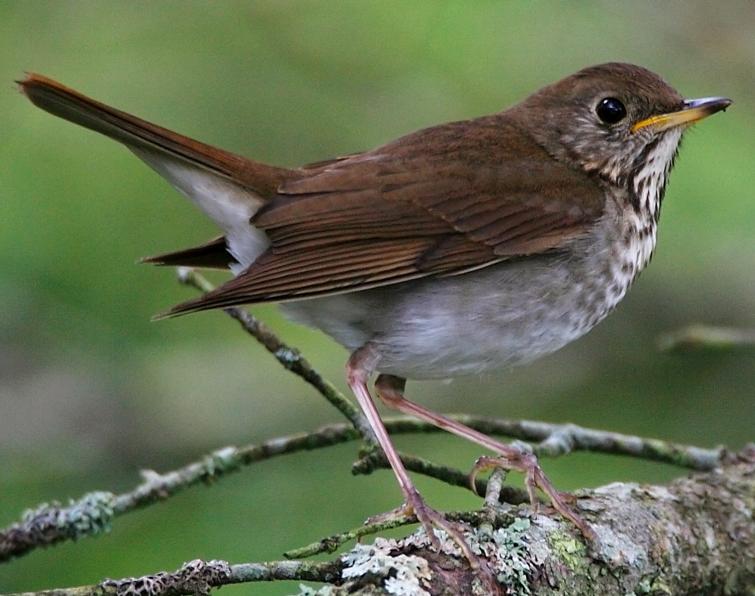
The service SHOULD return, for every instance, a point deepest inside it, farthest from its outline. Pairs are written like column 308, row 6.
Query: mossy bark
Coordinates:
column 694, row 536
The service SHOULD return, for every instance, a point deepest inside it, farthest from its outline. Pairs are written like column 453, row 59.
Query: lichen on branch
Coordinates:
column 695, row 535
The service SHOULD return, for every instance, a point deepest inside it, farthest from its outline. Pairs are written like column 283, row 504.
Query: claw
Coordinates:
column 482, row 464
column 534, row 478
column 399, row 512
column 430, row 519
column 539, row 479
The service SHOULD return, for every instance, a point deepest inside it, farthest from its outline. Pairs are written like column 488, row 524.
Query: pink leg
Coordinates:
column 358, row 369
column 390, row 389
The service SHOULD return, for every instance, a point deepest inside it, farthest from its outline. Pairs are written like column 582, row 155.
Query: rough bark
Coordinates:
column 694, row 536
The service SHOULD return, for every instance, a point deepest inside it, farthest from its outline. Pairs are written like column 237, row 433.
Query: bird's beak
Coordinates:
column 693, row 110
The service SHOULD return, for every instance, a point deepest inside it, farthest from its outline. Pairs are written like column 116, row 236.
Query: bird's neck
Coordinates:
column 647, row 184
column 639, row 198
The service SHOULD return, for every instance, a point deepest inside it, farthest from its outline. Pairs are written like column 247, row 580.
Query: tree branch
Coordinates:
column 93, row 513
column 289, row 357
column 199, row 577
column 695, row 536
column 680, row 539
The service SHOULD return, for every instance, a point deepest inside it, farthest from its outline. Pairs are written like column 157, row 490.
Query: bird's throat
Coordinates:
column 648, row 182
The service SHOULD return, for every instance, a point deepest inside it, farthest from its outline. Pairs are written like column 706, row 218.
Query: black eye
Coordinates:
column 610, row 110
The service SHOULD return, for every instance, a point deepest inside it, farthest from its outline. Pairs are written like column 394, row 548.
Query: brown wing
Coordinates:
column 439, row 202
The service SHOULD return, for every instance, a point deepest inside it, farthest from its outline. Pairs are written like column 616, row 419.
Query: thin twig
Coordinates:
column 494, row 488
column 530, row 554
column 560, row 439
column 198, row 577
column 93, row 513
column 331, row 544
column 289, row 357
column 452, row 476
column 696, row 337
column 555, row 439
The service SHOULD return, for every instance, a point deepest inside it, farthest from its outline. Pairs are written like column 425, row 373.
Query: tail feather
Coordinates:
column 210, row 255
column 136, row 133
column 227, row 187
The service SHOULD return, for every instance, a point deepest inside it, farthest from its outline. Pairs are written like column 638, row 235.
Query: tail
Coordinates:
column 210, row 255
column 229, row 188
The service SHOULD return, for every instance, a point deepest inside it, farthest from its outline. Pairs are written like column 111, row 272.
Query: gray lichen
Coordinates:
column 401, row 575
column 49, row 523
column 388, row 566
column 695, row 535
column 195, row 577
column 512, row 563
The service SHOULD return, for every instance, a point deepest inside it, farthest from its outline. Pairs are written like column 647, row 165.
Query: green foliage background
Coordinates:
column 91, row 391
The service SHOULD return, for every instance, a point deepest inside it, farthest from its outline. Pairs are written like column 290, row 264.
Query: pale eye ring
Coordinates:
column 610, row 110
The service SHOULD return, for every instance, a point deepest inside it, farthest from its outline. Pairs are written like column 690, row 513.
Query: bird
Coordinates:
column 458, row 249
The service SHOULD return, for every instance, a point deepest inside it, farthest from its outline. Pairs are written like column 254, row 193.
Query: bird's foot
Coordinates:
column 430, row 519
column 534, row 478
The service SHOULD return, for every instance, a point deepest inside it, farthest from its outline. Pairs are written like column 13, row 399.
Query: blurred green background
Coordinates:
column 91, row 391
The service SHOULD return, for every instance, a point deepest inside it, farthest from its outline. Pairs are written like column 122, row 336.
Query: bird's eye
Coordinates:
column 610, row 110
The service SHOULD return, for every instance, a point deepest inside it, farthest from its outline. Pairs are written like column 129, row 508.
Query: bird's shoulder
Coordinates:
column 458, row 174
column 441, row 201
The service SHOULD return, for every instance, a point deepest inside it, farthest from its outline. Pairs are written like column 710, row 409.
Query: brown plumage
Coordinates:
column 457, row 249
column 135, row 132
column 395, row 213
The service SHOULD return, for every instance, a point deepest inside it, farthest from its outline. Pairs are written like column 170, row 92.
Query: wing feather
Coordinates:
column 403, row 211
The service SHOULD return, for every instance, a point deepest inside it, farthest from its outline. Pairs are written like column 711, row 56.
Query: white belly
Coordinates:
column 503, row 315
